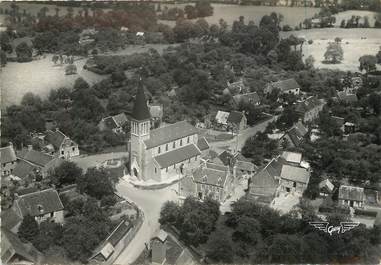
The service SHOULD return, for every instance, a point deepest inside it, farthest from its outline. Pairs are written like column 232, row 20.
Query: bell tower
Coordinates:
column 140, row 131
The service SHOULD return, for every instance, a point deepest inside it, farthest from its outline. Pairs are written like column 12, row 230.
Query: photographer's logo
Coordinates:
column 330, row 229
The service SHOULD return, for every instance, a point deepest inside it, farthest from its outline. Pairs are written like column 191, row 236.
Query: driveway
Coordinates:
column 150, row 202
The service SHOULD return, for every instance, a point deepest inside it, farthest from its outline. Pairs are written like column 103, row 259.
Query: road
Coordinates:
column 237, row 144
column 150, row 202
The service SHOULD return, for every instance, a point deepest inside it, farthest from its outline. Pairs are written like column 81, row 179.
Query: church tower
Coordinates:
column 140, row 131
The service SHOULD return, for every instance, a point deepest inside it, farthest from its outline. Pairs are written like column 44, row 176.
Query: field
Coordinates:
column 348, row 14
column 41, row 76
column 292, row 15
column 355, row 43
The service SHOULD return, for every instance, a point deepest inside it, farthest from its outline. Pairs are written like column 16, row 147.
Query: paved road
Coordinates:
column 150, row 202
column 237, row 144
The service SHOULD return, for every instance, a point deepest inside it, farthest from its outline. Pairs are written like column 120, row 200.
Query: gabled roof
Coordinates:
column 177, row 156
column 161, row 235
column 140, row 110
column 309, row 104
column 56, row 138
column 245, row 165
column 10, row 219
column 351, row 193
column 11, row 245
column 156, row 111
column 235, row 117
column 347, row 98
column 297, row 174
column 327, row 185
column 170, row 133
column 263, row 184
column 226, row 157
column 285, row 85
column 213, row 176
column 120, row 119
column 35, row 157
column 292, row 157
column 297, row 133
column 7, row 154
column 40, row 202
column 274, row 167
column 251, row 98
column 222, row 117
column 202, row 144
column 23, row 169
column 110, row 123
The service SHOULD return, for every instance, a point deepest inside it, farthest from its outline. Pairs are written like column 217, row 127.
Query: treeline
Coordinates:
column 200, row 9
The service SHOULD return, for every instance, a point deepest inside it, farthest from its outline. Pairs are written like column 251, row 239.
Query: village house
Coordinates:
column 222, row 119
column 8, row 160
column 167, row 250
column 14, row 251
column 237, row 121
column 30, row 161
column 264, row 184
column 208, row 180
column 309, row 109
column 42, row 205
column 343, row 96
column 326, row 188
column 294, row 136
column 114, row 123
column 248, row 98
column 60, row 144
column 351, row 196
column 294, row 179
column 161, row 153
column 237, row 87
column 292, row 158
column 349, row 127
column 288, row 86
column 240, row 164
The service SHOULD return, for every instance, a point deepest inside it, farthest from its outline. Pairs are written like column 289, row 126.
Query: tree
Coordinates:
column 368, row 63
column 24, row 52
column 170, row 213
column 97, row 183
column 66, row 173
column 28, row 229
column 219, row 247
column 248, row 230
column 310, row 62
column 49, row 235
column 334, row 53
column 55, row 58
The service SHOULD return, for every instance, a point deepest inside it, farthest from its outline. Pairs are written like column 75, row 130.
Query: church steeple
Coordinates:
column 140, row 111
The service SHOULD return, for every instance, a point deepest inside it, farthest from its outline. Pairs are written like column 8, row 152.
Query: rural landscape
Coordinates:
column 191, row 132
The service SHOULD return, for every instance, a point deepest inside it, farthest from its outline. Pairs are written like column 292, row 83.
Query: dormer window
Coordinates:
column 166, row 147
column 181, row 142
column 159, row 150
column 174, row 144
column 188, row 140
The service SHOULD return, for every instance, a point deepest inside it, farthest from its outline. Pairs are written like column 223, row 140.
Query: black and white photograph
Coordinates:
column 190, row 132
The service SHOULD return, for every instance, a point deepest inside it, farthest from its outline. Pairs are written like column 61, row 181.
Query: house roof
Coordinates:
column 11, row 245
column 170, row 133
column 35, row 157
column 23, row 169
column 120, row 118
column 56, row 138
column 326, row 184
column 202, row 144
column 9, row 218
column 7, row 154
column 222, row 117
column 214, row 176
column 292, row 157
column 156, row 111
column 177, row 156
column 236, row 87
column 245, row 165
column 251, row 98
column 348, row 98
column 140, row 110
column 274, row 167
column 297, row 174
column 263, row 184
column 40, row 202
column 308, row 104
column 351, row 193
column 285, row 85
column 161, row 235
column 110, row 122
column 119, row 232
column 297, row 133
column 235, row 117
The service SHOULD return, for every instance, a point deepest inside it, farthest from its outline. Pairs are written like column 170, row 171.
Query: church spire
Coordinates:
column 140, row 111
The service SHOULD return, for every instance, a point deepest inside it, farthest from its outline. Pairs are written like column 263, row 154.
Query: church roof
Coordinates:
column 140, row 111
column 170, row 133
column 177, row 156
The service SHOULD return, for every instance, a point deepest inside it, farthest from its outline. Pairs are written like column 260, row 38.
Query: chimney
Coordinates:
column 30, row 147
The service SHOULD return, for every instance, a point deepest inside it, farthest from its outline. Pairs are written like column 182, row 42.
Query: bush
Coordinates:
column 310, row 42
column 287, row 28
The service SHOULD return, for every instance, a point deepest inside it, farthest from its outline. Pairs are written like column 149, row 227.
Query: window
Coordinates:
column 174, row 144
column 73, row 149
column 62, row 152
column 181, row 142
column 158, row 150
column 51, row 214
column 188, row 140
column 155, row 170
column 166, row 147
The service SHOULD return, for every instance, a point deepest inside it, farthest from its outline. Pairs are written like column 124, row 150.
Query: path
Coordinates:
column 235, row 144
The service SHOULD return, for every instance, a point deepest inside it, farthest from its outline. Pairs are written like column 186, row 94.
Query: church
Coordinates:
column 165, row 152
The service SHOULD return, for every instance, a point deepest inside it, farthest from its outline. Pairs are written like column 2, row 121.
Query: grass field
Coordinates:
column 41, row 76
column 355, row 43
